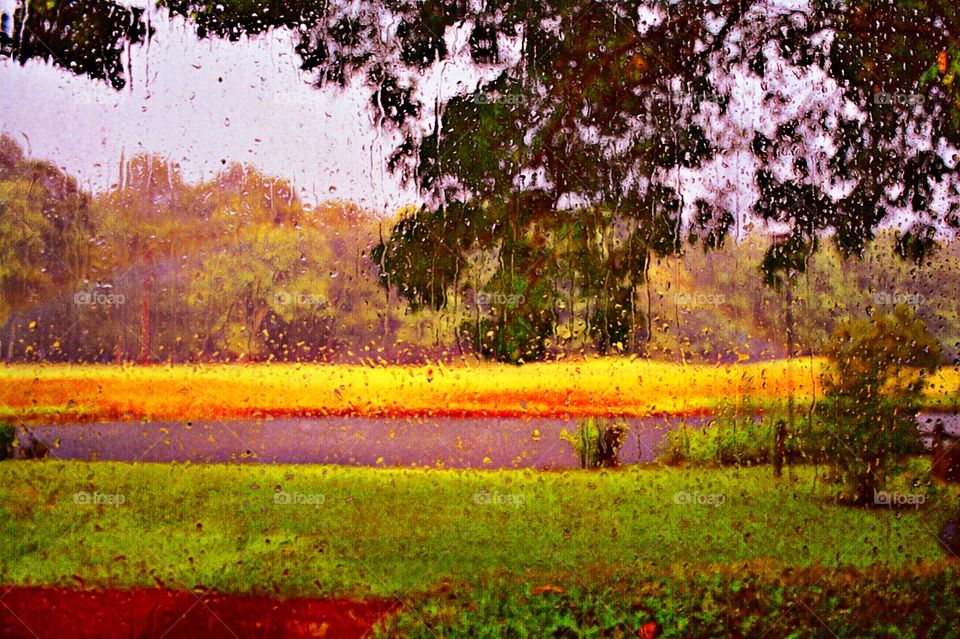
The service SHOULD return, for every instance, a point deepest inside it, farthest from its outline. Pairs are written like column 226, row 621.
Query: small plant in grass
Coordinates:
column 873, row 390
column 32, row 448
column 742, row 441
column 8, row 434
column 597, row 441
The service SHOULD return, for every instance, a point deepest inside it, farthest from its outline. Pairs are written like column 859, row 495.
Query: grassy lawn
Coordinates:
column 381, row 532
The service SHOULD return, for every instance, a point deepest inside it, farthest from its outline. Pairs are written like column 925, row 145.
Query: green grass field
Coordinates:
column 358, row 532
column 701, row 552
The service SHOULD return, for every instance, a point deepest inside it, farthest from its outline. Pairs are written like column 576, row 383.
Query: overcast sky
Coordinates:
column 198, row 103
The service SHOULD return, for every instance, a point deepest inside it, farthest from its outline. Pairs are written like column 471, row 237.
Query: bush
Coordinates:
column 597, row 441
column 723, row 441
column 873, row 388
column 31, row 447
column 739, row 440
column 8, row 434
column 868, row 442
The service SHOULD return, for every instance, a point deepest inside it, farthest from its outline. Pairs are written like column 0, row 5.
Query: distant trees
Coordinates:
column 45, row 231
column 572, row 150
column 237, row 267
column 141, row 224
column 161, row 270
column 264, row 294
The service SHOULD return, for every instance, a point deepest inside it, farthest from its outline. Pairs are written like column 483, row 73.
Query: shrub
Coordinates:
column 868, row 442
column 8, row 434
column 737, row 440
column 723, row 441
column 31, row 447
column 873, row 388
column 597, row 441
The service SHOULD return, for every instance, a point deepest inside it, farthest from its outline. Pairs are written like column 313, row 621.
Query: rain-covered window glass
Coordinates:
column 479, row 318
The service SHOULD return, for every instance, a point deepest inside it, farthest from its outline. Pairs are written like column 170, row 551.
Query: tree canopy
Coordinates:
column 555, row 180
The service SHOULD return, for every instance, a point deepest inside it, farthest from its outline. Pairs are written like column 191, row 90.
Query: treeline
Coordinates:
column 155, row 270
column 702, row 304
column 714, row 305
column 239, row 268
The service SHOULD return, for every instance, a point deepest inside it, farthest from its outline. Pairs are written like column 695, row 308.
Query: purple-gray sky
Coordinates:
column 198, row 103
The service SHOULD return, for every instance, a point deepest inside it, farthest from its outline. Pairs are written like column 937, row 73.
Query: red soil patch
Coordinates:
column 155, row 613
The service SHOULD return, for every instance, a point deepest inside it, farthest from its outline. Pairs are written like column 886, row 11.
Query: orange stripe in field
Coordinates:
column 65, row 393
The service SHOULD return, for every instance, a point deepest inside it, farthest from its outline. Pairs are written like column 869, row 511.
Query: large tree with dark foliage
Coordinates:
column 564, row 166
column 89, row 38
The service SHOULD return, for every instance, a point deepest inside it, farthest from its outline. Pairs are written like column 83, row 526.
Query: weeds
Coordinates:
column 597, row 441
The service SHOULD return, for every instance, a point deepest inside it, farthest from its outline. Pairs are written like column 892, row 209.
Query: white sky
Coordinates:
column 200, row 102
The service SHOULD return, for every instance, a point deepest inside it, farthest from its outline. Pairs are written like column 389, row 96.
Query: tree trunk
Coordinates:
column 779, row 448
column 145, row 311
column 11, row 335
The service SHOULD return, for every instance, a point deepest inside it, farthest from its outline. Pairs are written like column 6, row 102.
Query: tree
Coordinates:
column 45, row 232
column 260, row 282
column 597, row 111
column 142, row 222
column 873, row 387
column 22, row 276
column 259, row 287
column 610, row 117
column 88, row 38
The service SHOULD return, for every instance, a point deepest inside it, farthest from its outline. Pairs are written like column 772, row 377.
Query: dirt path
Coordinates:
column 158, row 613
